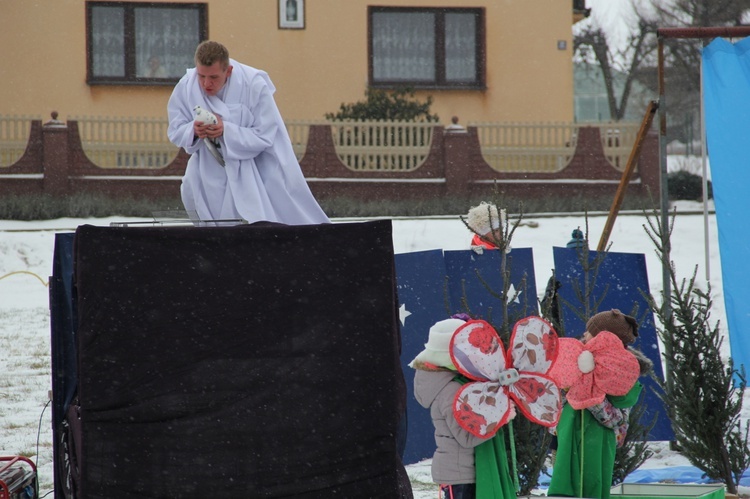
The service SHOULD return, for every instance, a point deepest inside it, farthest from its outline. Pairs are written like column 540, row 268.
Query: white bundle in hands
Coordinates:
column 209, row 118
column 205, row 116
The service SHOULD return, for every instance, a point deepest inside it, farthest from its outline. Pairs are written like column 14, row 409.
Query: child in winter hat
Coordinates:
column 435, row 388
column 436, row 355
column 623, row 326
column 487, row 222
column 606, row 424
column 576, row 239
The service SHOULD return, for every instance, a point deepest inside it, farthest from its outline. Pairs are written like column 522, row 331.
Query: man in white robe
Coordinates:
column 261, row 179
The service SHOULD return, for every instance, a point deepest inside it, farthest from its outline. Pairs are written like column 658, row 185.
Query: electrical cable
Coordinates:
column 38, row 437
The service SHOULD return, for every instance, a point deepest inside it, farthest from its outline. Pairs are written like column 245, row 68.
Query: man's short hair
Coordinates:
column 209, row 52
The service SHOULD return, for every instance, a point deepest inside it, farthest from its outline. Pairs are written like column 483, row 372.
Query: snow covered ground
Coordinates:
column 26, row 250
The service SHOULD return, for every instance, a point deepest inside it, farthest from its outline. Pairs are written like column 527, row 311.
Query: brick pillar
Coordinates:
column 458, row 146
column 55, row 157
column 319, row 146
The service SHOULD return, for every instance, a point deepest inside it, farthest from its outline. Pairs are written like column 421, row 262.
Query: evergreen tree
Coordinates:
column 634, row 450
column 700, row 394
column 532, row 443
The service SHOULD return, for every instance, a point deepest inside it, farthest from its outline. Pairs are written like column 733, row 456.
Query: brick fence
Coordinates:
column 55, row 164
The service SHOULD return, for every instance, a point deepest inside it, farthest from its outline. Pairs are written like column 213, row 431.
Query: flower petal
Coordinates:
column 534, row 345
column 615, row 371
column 585, row 393
column 538, row 398
column 477, row 352
column 565, row 369
column 481, row 409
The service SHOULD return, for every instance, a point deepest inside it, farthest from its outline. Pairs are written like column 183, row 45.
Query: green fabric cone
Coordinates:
column 599, row 447
column 492, row 470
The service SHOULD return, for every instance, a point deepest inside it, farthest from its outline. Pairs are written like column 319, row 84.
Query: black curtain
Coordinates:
column 246, row 361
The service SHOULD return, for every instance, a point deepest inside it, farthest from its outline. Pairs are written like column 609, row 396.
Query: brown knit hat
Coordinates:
column 614, row 321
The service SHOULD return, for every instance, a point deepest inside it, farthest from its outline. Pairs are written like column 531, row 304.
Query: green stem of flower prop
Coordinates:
column 513, row 457
column 580, row 470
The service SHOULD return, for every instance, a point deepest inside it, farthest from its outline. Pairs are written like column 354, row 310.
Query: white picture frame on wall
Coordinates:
column 291, row 14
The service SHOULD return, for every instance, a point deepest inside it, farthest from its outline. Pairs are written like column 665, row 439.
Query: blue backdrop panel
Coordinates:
column 623, row 277
column 431, row 286
column 726, row 81
column 62, row 320
column 420, row 283
column 470, row 275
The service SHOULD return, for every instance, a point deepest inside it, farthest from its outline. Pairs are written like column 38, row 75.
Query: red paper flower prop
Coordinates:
column 594, row 370
column 502, row 379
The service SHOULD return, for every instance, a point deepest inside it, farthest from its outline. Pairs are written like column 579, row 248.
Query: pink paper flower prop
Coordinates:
column 504, row 379
column 594, row 370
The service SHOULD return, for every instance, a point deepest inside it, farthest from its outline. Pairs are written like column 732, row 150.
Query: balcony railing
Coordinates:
column 527, row 147
column 617, row 141
column 143, row 142
column 361, row 145
column 14, row 136
column 299, row 132
column 382, row 145
column 548, row 148
column 126, row 142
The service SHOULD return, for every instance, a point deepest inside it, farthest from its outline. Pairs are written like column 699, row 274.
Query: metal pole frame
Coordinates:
column 662, row 34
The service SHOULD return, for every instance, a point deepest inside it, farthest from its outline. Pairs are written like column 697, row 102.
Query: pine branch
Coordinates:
column 701, row 394
column 634, row 450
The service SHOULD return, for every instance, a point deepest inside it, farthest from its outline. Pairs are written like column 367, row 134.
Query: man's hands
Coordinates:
column 209, row 130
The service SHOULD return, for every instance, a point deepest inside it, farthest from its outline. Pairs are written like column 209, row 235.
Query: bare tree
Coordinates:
column 635, row 57
column 626, row 60
column 683, row 56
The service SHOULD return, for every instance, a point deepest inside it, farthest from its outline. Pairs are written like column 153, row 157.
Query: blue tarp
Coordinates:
column 726, row 82
column 673, row 474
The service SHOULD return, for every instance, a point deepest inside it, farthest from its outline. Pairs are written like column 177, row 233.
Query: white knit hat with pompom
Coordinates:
column 485, row 218
column 437, row 349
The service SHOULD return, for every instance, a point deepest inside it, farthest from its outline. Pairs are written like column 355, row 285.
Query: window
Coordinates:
column 426, row 48
column 142, row 43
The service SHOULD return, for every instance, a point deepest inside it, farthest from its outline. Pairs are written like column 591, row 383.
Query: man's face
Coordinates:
column 212, row 78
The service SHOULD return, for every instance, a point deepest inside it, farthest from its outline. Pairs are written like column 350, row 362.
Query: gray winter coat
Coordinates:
column 453, row 461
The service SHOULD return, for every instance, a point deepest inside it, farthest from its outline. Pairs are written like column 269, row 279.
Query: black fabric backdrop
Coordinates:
column 249, row 361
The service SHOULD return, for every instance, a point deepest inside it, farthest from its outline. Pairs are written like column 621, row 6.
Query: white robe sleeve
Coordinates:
column 180, row 130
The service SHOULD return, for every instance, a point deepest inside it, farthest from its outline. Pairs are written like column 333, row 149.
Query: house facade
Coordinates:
column 482, row 61
column 499, row 73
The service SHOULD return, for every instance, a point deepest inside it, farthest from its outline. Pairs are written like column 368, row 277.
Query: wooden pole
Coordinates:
column 627, row 174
